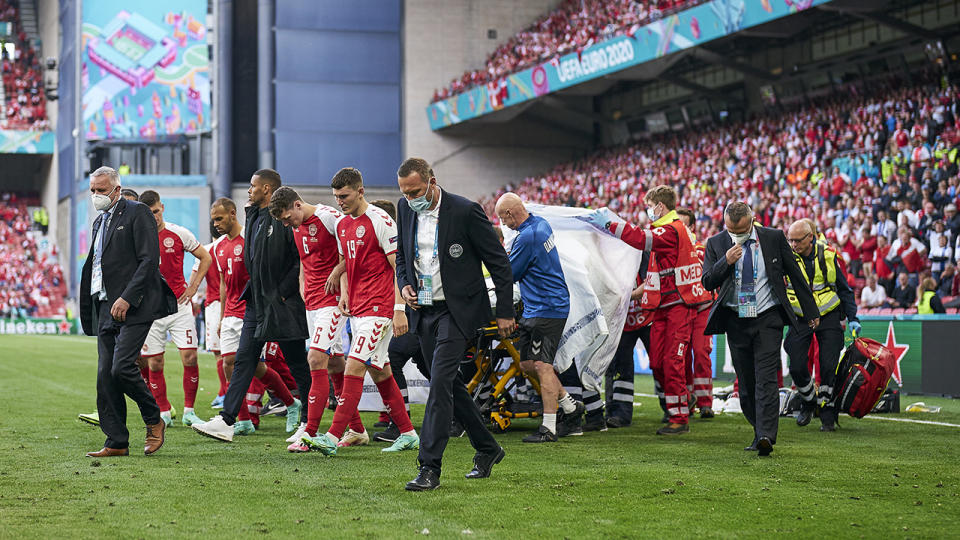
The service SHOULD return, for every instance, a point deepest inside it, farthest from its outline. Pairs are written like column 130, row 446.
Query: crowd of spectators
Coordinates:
column 876, row 170
column 573, row 26
column 31, row 281
column 25, row 104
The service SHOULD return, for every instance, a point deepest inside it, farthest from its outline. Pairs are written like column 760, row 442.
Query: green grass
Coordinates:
column 871, row 479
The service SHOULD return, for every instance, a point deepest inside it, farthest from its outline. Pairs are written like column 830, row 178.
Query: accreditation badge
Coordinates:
column 425, row 289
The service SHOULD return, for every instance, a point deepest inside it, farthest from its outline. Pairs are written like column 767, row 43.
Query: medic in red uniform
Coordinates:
column 672, row 291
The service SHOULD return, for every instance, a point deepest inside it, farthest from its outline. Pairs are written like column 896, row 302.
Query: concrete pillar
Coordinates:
column 265, row 83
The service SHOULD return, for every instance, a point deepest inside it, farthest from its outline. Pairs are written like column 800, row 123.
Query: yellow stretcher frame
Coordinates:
column 497, row 404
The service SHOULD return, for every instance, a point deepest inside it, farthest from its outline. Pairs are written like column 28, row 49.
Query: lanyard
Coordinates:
column 436, row 243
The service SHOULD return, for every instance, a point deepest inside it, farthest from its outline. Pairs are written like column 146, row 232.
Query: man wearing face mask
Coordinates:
column 444, row 239
column 672, row 291
column 121, row 294
column 746, row 265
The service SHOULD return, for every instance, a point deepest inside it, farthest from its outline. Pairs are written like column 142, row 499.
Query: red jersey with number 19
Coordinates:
column 365, row 242
column 174, row 240
column 316, row 240
column 229, row 259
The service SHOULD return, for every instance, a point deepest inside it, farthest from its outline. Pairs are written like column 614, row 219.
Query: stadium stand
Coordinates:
column 31, row 281
column 846, row 160
column 573, row 26
column 25, row 104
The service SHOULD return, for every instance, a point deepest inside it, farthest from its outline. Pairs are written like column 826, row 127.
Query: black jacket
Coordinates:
column 271, row 258
column 779, row 261
column 466, row 239
column 130, row 264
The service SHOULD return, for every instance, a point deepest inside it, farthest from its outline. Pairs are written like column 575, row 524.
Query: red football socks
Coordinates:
column 355, row 423
column 317, row 400
column 223, row 378
column 191, row 380
column 393, row 401
column 347, row 407
column 159, row 388
column 271, row 379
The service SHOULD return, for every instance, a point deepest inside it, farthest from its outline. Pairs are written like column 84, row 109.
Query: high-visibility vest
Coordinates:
column 923, row 304
column 687, row 274
column 886, row 168
column 824, row 282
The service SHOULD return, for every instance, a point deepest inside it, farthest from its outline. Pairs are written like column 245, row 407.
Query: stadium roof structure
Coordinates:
column 712, row 33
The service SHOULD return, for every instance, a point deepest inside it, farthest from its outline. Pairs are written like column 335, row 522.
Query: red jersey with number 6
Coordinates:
column 229, row 258
column 365, row 242
column 316, row 240
column 174, row 240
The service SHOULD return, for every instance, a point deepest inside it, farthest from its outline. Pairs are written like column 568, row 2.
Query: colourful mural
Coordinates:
column 146, row 69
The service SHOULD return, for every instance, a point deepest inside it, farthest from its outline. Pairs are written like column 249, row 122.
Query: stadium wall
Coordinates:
column 338, row 93
column 443, row 38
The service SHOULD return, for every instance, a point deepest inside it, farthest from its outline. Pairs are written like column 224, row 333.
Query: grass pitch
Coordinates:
column 871, row 479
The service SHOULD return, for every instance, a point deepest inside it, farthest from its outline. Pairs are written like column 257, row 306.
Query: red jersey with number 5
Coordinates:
column 316, row 240
column 174, row 240
column 229, row 259
column 365, row 242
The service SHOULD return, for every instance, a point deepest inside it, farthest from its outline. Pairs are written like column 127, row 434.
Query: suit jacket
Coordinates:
column 274, row 285
column 130, row 263
column 779, row 261
column 466, row 239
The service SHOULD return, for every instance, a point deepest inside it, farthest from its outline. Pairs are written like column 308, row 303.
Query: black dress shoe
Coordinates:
column 806, row 414
column 483, row 464
column 764, row 447
column 828, row 427
column 752, row 447
column 425, row 481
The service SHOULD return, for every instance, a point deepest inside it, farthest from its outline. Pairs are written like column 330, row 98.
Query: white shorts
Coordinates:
column 181, row 326
column 327, row 329
column 230, row 335
column 211, row 317
column 371, row 339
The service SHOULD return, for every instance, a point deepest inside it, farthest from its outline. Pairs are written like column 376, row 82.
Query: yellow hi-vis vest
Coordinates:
column 824, row 282
column 923, row 305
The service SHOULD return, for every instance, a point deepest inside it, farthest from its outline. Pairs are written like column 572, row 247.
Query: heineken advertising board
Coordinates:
column 38, row 326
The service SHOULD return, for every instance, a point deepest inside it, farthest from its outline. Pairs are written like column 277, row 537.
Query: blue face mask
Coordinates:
column 420, row 204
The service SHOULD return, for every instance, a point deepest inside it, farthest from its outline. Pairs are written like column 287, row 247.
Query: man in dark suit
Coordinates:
column 746, row 265
column 444, row 238
column 121, row 294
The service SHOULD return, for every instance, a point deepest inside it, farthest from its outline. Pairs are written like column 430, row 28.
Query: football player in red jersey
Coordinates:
column 367, row 242
column 211, row 314
column 174, row 242
column 315, row 233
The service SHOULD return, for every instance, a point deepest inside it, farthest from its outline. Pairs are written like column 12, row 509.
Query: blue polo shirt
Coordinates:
column 536, row 267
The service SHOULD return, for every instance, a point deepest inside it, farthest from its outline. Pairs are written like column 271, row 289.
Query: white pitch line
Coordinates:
column 644, row 395
column 912, row 421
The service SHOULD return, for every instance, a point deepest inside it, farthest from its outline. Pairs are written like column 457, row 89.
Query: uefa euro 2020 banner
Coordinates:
column 146, row 69
column 673, row 33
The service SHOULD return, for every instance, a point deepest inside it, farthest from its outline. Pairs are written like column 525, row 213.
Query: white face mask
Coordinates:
column 101, row 202
column 739, row 239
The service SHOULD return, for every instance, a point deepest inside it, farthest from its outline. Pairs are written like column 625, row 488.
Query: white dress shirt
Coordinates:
column 428, row 224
